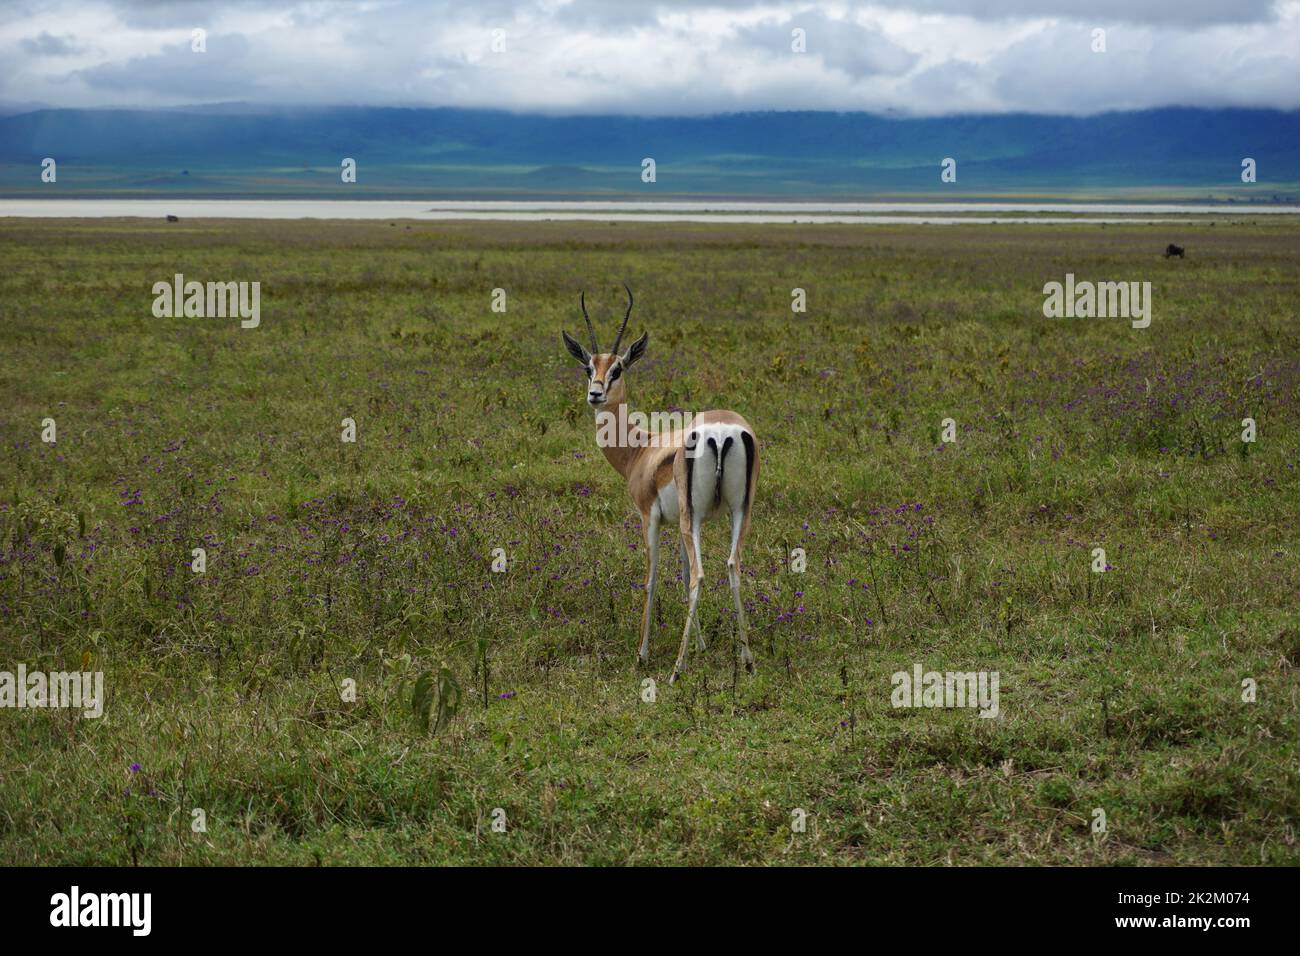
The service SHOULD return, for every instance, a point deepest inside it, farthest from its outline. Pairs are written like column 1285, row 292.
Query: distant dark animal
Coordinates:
column 1173, row 250
column 173, row 218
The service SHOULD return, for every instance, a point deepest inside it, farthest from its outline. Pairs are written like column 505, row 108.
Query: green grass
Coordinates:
column 371, row 562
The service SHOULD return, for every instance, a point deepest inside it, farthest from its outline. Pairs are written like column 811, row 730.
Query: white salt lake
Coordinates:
column 867, row 213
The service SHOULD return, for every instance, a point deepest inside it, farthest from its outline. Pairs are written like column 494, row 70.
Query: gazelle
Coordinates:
column 684, row 475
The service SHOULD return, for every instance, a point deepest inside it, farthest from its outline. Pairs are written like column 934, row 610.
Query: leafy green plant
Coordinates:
column 435, row 699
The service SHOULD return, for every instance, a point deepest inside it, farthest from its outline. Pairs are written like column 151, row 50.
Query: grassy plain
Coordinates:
column 371, row 562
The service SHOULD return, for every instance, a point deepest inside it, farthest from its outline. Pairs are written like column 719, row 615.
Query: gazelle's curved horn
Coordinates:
column 626, row 315
column 591, row 330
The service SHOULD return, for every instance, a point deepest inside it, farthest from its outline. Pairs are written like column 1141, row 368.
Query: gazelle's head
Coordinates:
column 605, row 369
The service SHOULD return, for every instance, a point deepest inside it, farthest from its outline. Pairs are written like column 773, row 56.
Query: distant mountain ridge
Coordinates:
column 454, row 153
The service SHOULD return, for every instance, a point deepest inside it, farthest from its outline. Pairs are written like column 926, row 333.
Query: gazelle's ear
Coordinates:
column 635, row 350
column 575, row 348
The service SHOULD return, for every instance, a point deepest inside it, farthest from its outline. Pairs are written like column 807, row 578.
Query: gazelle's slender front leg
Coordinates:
column 651, row 524
column 686, row 583
column 733, row 577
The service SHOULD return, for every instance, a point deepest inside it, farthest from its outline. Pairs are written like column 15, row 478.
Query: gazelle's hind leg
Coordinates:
column 651, row 525
column 739, row 523
column 694, row 600
column 686, row 583
column 691, row 526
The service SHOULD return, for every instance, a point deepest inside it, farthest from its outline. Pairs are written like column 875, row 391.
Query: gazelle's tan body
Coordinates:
column 685, row 475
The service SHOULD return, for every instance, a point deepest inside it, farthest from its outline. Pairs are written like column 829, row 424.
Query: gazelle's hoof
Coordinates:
column 747, row 659
column 675, row 674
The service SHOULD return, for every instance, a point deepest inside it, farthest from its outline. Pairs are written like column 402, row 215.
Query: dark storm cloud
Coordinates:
column 842, row 44
column 225, row 71
column 47, row 44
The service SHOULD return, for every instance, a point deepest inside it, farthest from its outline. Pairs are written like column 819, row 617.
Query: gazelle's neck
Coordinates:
column 618, row 439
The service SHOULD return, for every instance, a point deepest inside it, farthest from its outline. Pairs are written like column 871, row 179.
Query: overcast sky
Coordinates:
column 656, row 57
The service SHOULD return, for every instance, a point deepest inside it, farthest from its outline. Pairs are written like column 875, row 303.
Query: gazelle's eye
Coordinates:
column 618, row 370
column 588, row 371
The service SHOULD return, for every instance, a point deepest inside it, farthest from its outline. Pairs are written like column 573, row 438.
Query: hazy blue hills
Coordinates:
column 452, row 153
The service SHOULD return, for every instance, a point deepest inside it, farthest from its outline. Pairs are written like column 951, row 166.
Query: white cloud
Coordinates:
column 658, row 57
